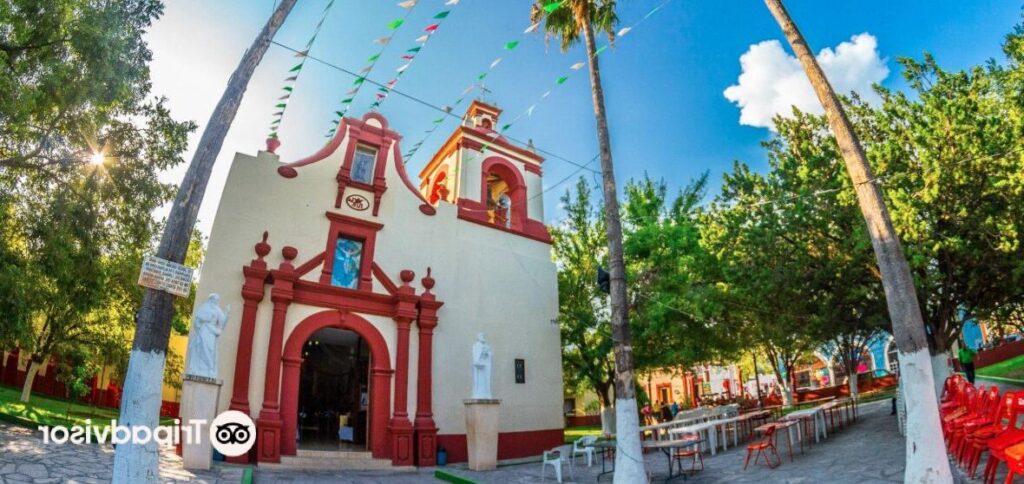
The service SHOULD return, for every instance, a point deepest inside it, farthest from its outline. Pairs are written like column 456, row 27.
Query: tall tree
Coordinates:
column 140, row 402
column 579, row 248
column 926, row 453
column 572, row 20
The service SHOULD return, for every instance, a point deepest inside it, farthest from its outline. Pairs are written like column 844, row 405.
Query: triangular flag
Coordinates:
column 381, row 41
column 392, row 82
column 302, row 54
column 529, row 111
column 352, row 92
column 276, row 121
column 600, row 50
column 373, row 58
column 577, row 66
column 422, row 39
column 281, row 105
column 346, row 101
column 296, row 68
column 441, row 15
column 532, row 28
column 290, row 79
column 481, row 76
column 359, row 80
column 506, row 127
column 415, row 49
column 496, row 62
column 431, row 28
column 279, row 113
column 402, row 67
column 546, row 95
column 551, row 7
column 470, row 88
column 288, row 88
column 408, row 4
column 334, row 122
column 511, row 45
column 438, row 120
column 339, row 113
column 286, row 96
column 407, row 57
column 381, row 96
column 365, row 70
column 382, row 89
column 394, row 24
column 452, row 2
column 561, row 80
column 624, row 31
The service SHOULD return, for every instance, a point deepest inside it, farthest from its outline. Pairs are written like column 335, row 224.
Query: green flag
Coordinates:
column 394, row 24
column 288, row 88
column 561, row 80
column 359, row 80
column 414, row 49
column 551, row 7
column 600, row 49
column 373, row 58
column 280, row 105
column 346, row 101
column 443, row 14
column 511, row 45
column 296, row 68
column 506, row 127
column 339, row 113
column 481, row 76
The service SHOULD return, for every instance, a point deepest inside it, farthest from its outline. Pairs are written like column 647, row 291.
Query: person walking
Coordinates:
column 966, row 356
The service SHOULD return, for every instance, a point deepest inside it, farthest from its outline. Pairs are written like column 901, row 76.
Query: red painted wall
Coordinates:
column 582, row 421
column 511, row 445
column 999, row 353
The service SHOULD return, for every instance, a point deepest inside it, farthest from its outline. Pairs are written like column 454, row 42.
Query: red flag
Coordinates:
column 407, row 57
column 431, row 28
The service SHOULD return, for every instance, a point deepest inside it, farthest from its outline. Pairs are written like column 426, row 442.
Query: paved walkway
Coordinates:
column 25, row 458
column 870, row 451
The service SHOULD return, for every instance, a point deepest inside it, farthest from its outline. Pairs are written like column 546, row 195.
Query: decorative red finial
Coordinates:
column 407, row 276
column 273, row 144
column 289, row 253
column 428, row 282
column 262, row 247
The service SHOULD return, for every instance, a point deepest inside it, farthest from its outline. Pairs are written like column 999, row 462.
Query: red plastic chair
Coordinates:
column 966, row 401
column 984, row 413
column 1005, row 439
column 1014, row 461
column 768, row 443
column 977, row 436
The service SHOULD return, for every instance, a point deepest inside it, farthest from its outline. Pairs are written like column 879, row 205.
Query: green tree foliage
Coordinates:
column 579, row 248
column 81, row 148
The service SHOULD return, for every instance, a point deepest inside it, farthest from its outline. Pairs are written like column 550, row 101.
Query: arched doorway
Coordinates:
column 378, row 362
column 334, row 382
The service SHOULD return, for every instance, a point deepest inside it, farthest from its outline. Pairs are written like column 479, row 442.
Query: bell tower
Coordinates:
column 492, row 181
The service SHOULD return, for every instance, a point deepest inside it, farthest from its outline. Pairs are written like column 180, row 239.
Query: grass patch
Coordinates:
column 449, row 477
column 573, row 434
column 44, row 410
column 1012, row 368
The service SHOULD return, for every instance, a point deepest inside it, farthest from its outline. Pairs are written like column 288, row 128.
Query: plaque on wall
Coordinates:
column 520, row 370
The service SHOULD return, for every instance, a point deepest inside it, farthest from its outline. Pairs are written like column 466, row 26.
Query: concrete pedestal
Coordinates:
column 482, row 433
column 198, row 402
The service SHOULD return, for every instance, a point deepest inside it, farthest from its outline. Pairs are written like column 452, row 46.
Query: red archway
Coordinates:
column 505, row 170
column 380, row 377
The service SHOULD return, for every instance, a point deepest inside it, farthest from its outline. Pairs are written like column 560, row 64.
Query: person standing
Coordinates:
column 966, row 356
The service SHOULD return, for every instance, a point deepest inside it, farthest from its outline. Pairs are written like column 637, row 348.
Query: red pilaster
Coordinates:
column 252, row 293
column 269, row 423
column 425, row 429
column 400, row 426
column 290, row 376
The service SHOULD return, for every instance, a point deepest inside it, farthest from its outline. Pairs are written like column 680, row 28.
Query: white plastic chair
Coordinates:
column 553, row 458
column 582, row 447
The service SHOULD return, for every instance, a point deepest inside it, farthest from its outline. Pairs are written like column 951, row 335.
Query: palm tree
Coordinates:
column 140, row 403
column 926, row 452
column 576, row 18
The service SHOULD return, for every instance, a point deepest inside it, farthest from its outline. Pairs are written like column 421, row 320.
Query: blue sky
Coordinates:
column 664, row 81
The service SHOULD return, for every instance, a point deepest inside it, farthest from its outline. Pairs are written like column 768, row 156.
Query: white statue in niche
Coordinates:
column 207, row 325
column 481, row 368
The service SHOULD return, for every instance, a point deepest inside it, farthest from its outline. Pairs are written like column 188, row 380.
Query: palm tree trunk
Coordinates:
column 926, row 452
column 140, row 403
column 629, row 465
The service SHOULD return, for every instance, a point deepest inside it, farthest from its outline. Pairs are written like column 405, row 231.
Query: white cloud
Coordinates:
column 773, row 81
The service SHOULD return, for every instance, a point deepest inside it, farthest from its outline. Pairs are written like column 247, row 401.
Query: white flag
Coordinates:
column 624, row 31
column 408, row 4
column 577, row 66
column 532, row 28
column 496, row 62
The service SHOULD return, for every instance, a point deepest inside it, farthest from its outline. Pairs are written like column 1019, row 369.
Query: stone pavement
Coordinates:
column 25, row 458
column 870, row 451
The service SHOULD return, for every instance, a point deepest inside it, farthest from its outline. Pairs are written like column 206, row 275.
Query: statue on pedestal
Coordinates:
column 207, row 325
column 481, row 368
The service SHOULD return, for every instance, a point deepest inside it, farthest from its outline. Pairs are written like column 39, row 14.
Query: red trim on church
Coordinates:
column 511, row 445
column 355, row 229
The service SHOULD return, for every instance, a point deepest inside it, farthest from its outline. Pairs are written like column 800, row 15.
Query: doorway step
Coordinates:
column 332, row 460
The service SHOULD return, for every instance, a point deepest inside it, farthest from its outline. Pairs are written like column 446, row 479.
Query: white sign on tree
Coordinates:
column 167, row 276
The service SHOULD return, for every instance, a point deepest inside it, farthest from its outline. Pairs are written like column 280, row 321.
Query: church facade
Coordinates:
column 357, row 295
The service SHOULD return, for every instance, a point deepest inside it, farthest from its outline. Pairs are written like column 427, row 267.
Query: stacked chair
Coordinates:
column 976, row 420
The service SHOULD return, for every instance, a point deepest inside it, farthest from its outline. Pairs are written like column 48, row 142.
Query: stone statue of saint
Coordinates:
column 207, row 325
column 481, row 368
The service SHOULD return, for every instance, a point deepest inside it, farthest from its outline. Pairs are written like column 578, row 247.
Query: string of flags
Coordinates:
column 293, row 74
column 506, row 49
column 579, row 65
column 371, row 62
column 410, row 54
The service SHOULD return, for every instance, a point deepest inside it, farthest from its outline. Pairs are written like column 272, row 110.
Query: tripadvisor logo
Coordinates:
column 232, row 433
